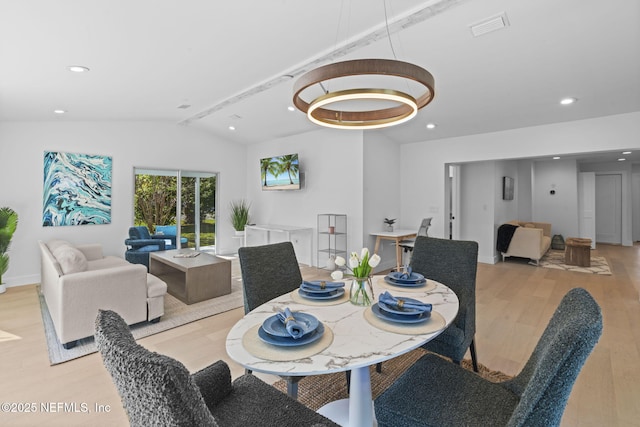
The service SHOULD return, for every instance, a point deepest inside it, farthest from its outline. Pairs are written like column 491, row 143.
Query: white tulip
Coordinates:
column 374, row 260
column 353, row 260
column 364, row 253
column 340, row 261
column 337, row 275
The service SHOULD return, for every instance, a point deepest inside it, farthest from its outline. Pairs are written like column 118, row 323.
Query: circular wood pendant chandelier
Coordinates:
column 406, row 106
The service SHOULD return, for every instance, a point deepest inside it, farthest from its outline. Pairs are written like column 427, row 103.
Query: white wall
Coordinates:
column 561, row 208
column 131, row 144
column 381, row 192
column 423, row 162
column 332, row 162
column 477, row 207
column 523, row 190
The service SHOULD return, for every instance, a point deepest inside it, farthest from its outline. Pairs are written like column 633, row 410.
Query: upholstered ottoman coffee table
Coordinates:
column 577, row 251
column 192, row 279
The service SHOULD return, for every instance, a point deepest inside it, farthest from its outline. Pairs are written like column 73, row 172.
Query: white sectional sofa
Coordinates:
column 77, row 281
column 530, row 240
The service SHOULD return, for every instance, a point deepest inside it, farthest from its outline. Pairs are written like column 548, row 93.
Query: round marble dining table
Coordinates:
column 353, row 340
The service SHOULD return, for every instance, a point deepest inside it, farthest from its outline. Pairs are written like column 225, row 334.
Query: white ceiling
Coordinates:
column 227, row 60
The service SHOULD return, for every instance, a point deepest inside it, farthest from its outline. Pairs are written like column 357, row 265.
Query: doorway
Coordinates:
column 609, row 208
column 184, row 199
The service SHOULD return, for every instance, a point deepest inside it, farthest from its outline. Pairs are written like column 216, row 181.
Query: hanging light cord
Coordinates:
column 386, row 23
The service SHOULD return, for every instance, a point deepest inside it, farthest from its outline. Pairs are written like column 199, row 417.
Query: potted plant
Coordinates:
column 8, row 224
column 389, row 223
column 239, row 215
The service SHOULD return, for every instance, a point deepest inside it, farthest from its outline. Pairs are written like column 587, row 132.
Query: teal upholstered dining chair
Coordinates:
column 157, row 390
column 434, row 392
column 269, row 271
column 453, row 263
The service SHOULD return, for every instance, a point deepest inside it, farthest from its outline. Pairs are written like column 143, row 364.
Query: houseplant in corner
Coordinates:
column 239, row 215
column 8, row 224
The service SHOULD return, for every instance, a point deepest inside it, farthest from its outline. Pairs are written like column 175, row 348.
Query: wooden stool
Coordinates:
column 577, row 252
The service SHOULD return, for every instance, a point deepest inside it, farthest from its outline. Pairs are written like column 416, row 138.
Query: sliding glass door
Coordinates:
column 185, row 200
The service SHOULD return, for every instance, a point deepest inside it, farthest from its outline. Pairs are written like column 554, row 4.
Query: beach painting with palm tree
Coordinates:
column 280, row 173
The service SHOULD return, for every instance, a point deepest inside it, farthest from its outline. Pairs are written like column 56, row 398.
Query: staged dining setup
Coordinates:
column 315, row 330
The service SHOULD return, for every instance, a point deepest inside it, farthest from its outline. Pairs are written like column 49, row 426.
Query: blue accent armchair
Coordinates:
column 171, row 232
column 140, row 243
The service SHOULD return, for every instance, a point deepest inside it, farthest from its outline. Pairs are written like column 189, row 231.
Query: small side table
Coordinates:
column 577, row 252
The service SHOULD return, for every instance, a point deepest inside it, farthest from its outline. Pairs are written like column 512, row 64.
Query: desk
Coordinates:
column 287, row 230
column 356, row 345
column 396, row 236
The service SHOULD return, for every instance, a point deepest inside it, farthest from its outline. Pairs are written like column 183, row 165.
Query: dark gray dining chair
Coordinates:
column 157, row 390
column 269, row 271
column 453, row 263
column 434, row 392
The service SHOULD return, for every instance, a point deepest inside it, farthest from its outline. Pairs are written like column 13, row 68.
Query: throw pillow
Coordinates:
column 71, row 259
column 529, row 225
column 56, row 243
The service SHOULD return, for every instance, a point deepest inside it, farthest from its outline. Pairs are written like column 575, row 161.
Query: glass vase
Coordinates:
column 361, row 292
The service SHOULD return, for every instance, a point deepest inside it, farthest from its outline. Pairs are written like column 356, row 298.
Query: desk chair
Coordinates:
column 408, row 244
column 434, row 392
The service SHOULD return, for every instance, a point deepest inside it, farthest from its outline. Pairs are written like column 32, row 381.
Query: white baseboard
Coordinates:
column 21, row 280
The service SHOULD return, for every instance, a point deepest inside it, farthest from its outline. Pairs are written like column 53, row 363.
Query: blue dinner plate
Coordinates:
column 290, row 342
column 394, row 282
column 399, row 318
column 413, row 277
column 404, row 311
column 337, row 293
column 312, row 290
column 274, row 326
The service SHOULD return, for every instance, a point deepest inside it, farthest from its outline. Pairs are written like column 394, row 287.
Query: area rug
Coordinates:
column 176, row 314
column 555, row 259
column 318, row 390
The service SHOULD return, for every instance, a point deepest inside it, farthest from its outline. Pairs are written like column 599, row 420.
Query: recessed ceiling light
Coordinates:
column 59, row 111
column 556, row 158
column 568, row 101
column 290, row 108
column 626, row 152
column 232, row 128
column 77, row 68
column 622, row 159
column 431, row 125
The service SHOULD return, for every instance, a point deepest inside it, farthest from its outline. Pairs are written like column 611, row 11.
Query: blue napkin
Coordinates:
column 318, row 285
column 406, row 274
column 400, row 303
column 294, row 329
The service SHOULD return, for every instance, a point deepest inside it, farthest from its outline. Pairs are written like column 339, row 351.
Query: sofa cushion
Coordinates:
column 529, row 225
column 71, row 259
column 106, row 262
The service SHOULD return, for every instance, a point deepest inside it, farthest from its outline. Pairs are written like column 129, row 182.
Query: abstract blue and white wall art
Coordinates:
column 77, row 189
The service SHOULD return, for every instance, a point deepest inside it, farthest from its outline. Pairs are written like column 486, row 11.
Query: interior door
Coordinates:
column 587, row 206
column 609, row 208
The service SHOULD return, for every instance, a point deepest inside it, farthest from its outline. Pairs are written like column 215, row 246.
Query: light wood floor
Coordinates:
column 514, row 304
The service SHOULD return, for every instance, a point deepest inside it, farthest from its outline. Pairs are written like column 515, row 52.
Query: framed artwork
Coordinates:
column 507, row 188
column 77, row 189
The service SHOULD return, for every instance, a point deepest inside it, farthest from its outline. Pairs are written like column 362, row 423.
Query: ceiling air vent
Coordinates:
column 491, row 24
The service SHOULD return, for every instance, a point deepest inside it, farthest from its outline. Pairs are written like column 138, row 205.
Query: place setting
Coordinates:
column 287, row 335
column 404, row 315
column 407, row 281
column 320, row 292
